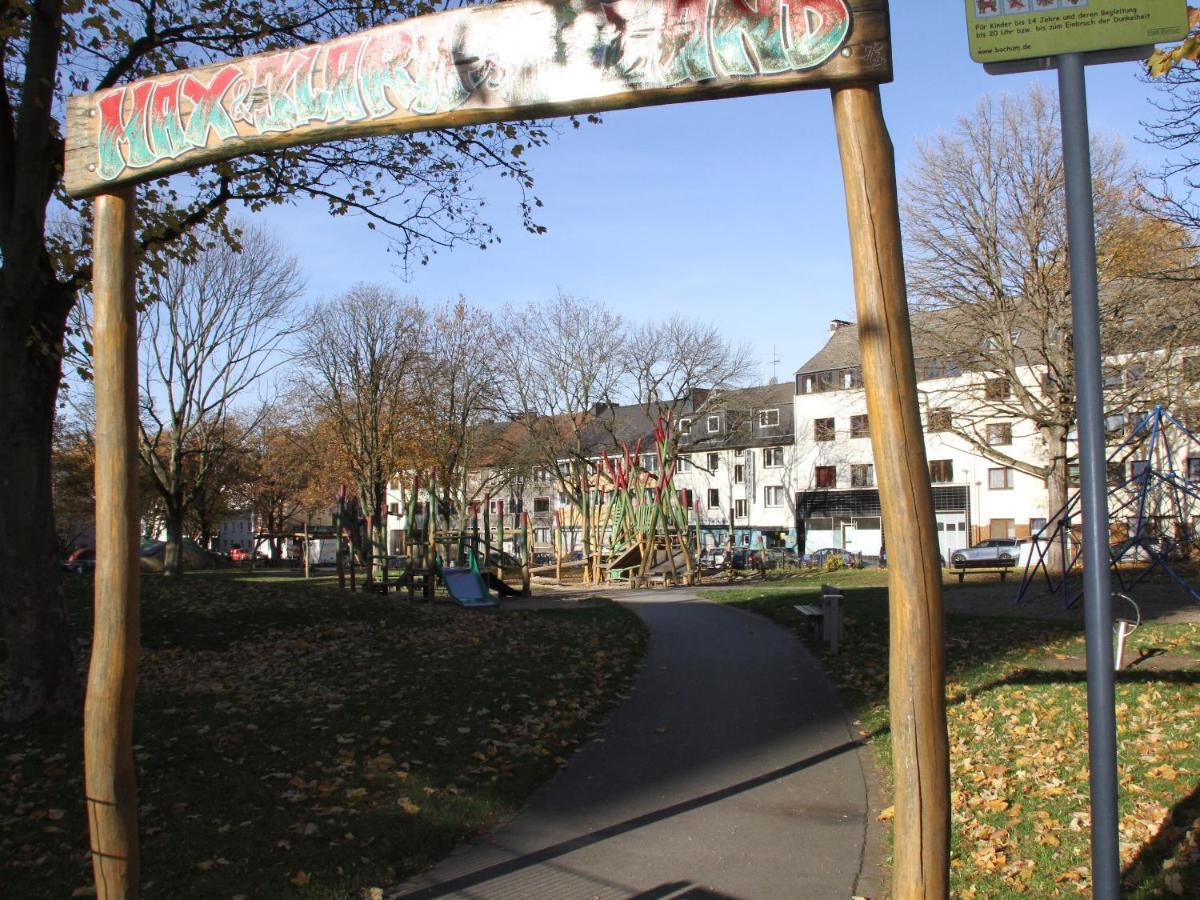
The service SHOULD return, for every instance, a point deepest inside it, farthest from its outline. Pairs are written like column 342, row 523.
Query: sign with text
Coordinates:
column 1006, row 30
column 514, row 60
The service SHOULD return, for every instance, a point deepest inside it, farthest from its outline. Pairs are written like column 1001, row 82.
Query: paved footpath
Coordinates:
column 730, row 772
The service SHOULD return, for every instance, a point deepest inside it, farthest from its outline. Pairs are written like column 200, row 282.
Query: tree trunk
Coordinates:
column 41, row 663
column 173, row 550
column 1057, row 488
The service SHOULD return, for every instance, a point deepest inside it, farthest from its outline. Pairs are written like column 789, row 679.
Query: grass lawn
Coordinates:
column 294, row 740
column 1018, row 741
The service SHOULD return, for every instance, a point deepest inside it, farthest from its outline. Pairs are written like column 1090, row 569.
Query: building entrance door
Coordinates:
column 951, row 532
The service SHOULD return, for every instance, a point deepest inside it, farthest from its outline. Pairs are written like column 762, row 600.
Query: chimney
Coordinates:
column 836, row 324
column 699, row 397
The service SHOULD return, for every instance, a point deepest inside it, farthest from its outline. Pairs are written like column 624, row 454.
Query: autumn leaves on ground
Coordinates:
column 294, row 739
column 1018, row 742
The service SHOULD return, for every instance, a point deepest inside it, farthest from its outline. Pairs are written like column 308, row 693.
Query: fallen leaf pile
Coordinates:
column 289, row 737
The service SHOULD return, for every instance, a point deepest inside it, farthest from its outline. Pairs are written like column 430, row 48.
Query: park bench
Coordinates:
column 964, row 571
column 827, row 616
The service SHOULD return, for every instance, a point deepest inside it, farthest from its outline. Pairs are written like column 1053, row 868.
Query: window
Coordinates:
column 685, row 464
column 1112, row 377
column 563, row 499
column 739, row 474
column 541, row 535
column 714, row 498
column 739, row 509
column 685, row 425
column 859, row 427
column 714, row 460
column 714, row 424
column 1116, row 474
column 1135, row 374
column 739, row 453
column 541, row 504
column 768, row 418
column 823, row 429
column 939, row 419
column 1036, row 525
column 826, row 476
column 1115, row 423
column 852, row 378
column 1193, row 468
column 1002, row 528
column 772, row 457
column 773, row 495
column 650, row 462
column 542, row 475
column 999, row 434
column 997, row 389
column 1000, row 480
column 941, row 471
column 393, row 509
column 1139, row 470
column 862, row 476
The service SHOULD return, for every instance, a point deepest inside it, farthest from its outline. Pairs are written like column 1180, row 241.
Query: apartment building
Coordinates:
column 837, row 498
column 792, row 464
column 738, row 460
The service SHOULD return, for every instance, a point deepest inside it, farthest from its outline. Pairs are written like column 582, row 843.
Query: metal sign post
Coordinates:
column 1089, row 392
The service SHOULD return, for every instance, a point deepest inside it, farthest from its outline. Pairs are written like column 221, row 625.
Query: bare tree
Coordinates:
column 457, row 392
column 986, row 247
column 565, row 366
column 679, row 364
column 217, row 329
column 363, row 354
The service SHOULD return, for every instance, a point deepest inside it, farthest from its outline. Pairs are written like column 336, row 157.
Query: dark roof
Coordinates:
column 758, row 397
column 928, row 326
column 739, row 427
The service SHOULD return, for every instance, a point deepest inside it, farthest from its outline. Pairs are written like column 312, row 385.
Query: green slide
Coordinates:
column 466, row 586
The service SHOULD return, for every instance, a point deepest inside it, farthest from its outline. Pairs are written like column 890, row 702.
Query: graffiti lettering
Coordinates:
column 438, row 63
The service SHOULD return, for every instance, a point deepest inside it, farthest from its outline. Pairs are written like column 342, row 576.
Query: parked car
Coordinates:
column 712, row 558
column 990, row 552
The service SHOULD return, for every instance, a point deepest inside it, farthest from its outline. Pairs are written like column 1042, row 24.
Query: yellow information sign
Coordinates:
column 1007, row 30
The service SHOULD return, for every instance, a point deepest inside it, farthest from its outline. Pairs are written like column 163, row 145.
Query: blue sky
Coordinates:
column 728, row 211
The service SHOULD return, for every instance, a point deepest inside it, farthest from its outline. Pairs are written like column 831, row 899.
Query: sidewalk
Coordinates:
column 729, row 773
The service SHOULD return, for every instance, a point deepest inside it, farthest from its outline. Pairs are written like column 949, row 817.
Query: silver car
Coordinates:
column 991, row 552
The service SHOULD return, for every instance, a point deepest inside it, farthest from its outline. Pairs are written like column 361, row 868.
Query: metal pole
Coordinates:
column 1085, row 313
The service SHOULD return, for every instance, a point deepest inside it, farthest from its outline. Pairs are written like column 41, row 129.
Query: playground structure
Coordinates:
column 479, row 64
column 643, row 535
column 1160, row 506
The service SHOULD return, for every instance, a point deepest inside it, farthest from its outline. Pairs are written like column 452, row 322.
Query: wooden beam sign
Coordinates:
column 512, row 60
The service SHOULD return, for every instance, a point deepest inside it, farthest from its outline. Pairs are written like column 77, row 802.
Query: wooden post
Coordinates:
column 307, row 546
column 558, row 547
column 112, row 674
column 917, row 653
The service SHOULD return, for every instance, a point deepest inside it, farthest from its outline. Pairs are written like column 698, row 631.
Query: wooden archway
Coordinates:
column 517, row 60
